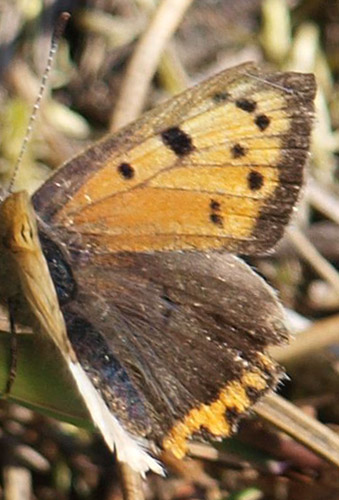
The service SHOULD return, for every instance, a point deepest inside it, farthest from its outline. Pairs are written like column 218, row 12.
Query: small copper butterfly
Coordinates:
column 125, row 258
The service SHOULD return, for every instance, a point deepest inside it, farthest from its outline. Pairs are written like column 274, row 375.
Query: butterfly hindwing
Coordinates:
column 173, row 333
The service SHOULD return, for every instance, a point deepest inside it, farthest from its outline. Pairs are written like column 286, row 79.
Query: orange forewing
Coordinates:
column 236, row 163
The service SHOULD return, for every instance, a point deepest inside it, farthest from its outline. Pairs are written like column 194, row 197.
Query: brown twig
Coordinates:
column 131, row 483
column 324, row 201
column 321, row 334
column 308, row 252
column 308, row 431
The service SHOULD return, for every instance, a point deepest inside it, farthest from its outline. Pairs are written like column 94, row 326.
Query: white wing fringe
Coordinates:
column 127, row 449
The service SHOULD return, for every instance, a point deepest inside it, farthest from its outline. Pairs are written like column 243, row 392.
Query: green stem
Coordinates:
column 42, row 382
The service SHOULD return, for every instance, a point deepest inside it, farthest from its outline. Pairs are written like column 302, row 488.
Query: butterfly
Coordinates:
column 125, row 258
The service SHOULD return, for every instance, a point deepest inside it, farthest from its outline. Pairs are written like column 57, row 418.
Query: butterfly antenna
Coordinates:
column 57, row 34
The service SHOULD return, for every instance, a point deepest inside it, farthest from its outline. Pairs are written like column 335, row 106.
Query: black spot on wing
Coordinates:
column 246, row 105
column 178, row 141
column 237, row 151
column 214, row 205
column 255, row 180
column 262, row 122
column 215, row 215
column 217, row 219
column 126, row 171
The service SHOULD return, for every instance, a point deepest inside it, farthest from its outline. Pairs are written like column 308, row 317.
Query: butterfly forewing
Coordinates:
column 210, row 169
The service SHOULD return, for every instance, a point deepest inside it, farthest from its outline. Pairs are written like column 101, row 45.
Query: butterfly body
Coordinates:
column 170, row 331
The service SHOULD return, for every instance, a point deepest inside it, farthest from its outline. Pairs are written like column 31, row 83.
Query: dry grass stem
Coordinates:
column 300, row 426
column 320, row 335
column 308, row 252
column 145, row 59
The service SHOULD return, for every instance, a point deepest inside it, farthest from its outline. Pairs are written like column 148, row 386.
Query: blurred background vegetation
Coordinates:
column 86, row 94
